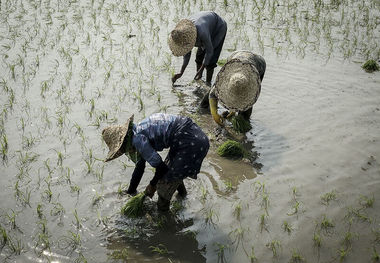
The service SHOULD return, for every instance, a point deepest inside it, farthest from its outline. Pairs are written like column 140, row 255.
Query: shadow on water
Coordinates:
column 161, row 237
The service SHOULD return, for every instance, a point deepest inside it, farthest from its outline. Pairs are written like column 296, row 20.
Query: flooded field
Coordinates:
column 311, row 192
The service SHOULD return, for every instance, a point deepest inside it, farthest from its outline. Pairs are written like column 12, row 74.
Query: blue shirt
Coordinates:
column 208, row 24
column 153, row 134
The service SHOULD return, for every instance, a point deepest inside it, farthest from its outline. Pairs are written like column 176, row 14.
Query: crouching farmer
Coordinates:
column 237, row 85
column 187, row 144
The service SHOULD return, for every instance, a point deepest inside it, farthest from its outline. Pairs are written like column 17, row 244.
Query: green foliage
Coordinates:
column 222, row 62
column 240, row 124
column 231, row 149
column 371, row 66
column 326, row 198
column 135, row 206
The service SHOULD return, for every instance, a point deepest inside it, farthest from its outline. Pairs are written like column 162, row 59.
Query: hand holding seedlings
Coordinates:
column 187, row 143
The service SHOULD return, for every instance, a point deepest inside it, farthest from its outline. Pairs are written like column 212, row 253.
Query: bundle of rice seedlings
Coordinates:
column 370, row 66
column 135, row 206
column 231, row 149
column 240, row 124
column 221, row 62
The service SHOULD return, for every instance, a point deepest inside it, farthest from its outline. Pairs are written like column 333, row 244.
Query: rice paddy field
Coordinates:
column 310, row 192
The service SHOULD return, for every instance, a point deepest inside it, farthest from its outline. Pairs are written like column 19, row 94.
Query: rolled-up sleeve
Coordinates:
column 146, row 150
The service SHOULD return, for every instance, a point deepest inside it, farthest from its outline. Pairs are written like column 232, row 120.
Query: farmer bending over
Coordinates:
column 205, row 30
column 187, row 144
column 237, row 85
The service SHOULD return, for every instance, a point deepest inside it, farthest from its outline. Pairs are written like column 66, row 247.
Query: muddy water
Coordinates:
column 70, row 69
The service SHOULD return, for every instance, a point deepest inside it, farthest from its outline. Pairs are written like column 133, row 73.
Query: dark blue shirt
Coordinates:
column 153, row 134
column 207, row 24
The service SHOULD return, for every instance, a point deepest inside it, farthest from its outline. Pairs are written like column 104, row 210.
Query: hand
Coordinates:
column 176, row 76
column 150, row 190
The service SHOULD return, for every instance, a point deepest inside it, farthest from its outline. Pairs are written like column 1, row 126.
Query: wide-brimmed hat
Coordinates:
column 238, row 85
column 182, row 39
column 114, row 138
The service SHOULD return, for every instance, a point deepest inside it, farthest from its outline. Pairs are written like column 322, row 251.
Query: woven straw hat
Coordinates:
column 114, row 138
column 182, row 39
column 238, row 85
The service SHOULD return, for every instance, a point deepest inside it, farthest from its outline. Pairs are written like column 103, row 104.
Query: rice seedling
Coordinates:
column 11, row 219
column 274, row 246
column 326, row 224
column 342, row 253
column 317, row 240
column 160, row 249
column 263, row 222
column 15, row 246
column 358, row 214
column 210, row 216
column 204, row 194
column 366, row 201
column 220, row 249
column 135, row 206
column 4, row 236
column 375, row 256
column 77, row 222
column 295, row 207
column 371, row 66
column 348, row 237
column 119, row 255
column 238, row 234
column 252, row 256
column 177, row 206
column 287, row 227
column 231, row 149
column 222, row 62
column 296, row 257
column 228, row 185
column 4, row 146
column 72, row 241
column 330, row 196
column 240, row 124
column 96, row 199
column 237, row 210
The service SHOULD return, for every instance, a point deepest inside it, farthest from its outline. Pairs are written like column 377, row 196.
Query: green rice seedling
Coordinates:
column 40, row 211
column 366, row 201
column 237, row 210
column 203, row 194
column 326, row 198
column 15, row 246
column 97, row 199
column 326, row 224
column 287, row 227
column 119, row 255
column 342, row 253
column 210, row 216
column 231, row 149
column 358, row 214
column 77, row 222
column 222, row 62
column 12, row 69
column 4, row 236
column 176, row 207
column 296, row 257
column 81, row 258
column 376, row 233
column 274, row 246
column 317, row 240
column 240, row 124
column 160, row 249
column 252, row 256
column 228, row 185
column 48, row 194
column 375, row 255
column 238, row 234
column 265, row 202
column 4, row 146
column 370, row 66
column 295, row 208
column 75, row 189
column 12, row 219
column 135, row 206
column 72, row 241
column 348, row 237
column 220, row 248
column 263, row 222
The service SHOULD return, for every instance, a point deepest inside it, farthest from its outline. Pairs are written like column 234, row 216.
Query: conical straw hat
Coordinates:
column 114, row 137
column 238, row 85
column 182, row 39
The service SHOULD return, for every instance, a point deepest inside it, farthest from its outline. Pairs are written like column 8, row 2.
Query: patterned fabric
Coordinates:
column 187, row 142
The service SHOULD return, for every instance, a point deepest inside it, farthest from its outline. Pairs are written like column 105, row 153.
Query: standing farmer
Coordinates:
column 205, row 30
column 238, row 84
column 187, row 144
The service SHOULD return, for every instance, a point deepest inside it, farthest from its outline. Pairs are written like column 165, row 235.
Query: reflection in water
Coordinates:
column 162, row 237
